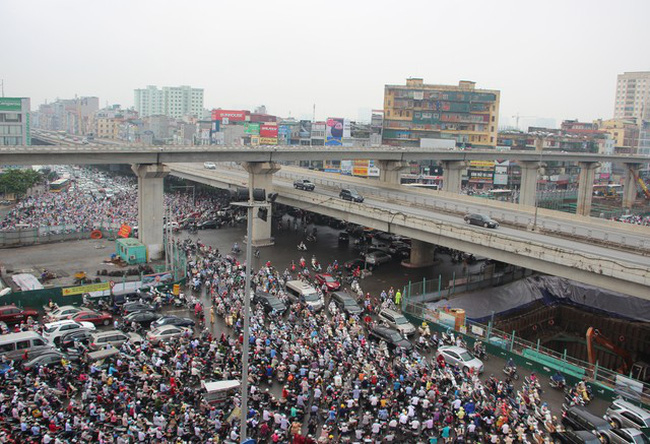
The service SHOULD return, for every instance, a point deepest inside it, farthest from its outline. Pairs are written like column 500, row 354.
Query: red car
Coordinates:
column 96, row 318
column 10, row 314
column 329, row 281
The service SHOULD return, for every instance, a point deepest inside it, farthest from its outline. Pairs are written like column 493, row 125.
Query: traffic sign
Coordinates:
column 111, row 283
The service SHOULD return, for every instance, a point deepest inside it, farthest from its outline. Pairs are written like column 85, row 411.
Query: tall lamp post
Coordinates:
column 538, row 175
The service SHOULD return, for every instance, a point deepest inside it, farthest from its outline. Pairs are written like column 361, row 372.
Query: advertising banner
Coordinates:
column 232, row 116
column 86, row 289
column 125, row 230
column 157, row 278
column 305, row 129
column 334, row 131
column 10, row 103
column 346, row 167
column 252, row 128
column 482, row 164
column 501, row 172
column 360, row 168
column 284, row 134
column 269, row 130
column 268, row 140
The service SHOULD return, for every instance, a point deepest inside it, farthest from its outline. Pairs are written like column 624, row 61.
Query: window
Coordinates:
column 22, row 345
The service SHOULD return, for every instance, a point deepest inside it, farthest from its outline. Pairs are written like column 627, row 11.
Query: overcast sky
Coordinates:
column 555, row 59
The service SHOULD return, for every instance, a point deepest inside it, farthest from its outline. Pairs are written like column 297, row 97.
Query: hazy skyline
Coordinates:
column 554, row 59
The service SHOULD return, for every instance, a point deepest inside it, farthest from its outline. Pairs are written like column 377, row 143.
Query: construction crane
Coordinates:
column 517, row 117
column 594, row 335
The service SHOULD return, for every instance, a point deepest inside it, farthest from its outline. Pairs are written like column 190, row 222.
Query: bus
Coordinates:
column 502, row 195
column 428, row 186
column 59, row 185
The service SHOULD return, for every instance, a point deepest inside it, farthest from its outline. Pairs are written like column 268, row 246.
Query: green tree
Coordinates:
column 18, row 181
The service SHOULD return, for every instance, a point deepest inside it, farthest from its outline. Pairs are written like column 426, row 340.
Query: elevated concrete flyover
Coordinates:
column 623, row 272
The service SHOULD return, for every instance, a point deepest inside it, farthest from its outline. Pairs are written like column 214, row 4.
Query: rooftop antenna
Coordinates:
column 313, row 117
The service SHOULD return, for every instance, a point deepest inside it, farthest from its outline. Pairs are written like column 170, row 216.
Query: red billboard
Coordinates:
column 232, row 116
column 268, row 130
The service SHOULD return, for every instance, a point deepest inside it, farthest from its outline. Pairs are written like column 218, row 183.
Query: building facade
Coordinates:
column 418, row 111
column 15, row 121
column 170, row 101
column 74, row 116
column 633, row 96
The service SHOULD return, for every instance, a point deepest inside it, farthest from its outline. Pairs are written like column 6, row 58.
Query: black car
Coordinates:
column 74, row 338
column 579, row 418
column 346, row 303
column 351, row 195
column 173, row 320
column 131, row 307
column 144, row 318
column 480, row 220
column 392, row 337
column 578, row 437
column 344, row 238
column 271, row 304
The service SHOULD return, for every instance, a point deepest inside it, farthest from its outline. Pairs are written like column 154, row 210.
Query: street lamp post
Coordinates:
column 538, row 175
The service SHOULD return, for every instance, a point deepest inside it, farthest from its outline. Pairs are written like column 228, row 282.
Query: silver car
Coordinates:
column 459, row 356
column 625, row 436
column 623, row 414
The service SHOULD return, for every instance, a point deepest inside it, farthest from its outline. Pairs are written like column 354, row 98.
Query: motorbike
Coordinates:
column 302, row 247
column 235, row 249
column 557, row 383
column 311, row 238
column 511, row 371
column 315, row 265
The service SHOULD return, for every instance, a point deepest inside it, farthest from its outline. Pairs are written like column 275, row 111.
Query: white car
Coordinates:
column 54, row 330
column 166, row 332
column 459, row 356
column 209, row 166
column 62, row 313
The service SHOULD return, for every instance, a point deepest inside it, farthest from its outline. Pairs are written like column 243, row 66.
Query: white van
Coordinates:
column 300, row 291
column 25, row 340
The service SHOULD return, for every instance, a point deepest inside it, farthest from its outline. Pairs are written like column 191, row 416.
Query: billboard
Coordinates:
column 269, row 130
column 360, row 168
column 252, row 128
column 501, row 172
column 334, row 131
column 305, row 129
column 268, row 140
column 10, row 104
column 284, row 134
column 232, row 116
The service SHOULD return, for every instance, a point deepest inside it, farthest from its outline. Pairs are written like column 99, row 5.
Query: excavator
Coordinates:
column 644, row 187
column 638, row 370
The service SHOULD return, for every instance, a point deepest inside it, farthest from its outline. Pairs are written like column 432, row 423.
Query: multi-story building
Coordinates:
column 170, row 101
column 633, row 96
column 625, row 133
column 418, row 111
column 14, row 121
column 74, row 116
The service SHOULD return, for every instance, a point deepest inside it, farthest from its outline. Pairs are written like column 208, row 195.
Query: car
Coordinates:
column 623, row 414
column 53, row 331
column 32, row 352
column 61, row 313
column 115, row 338
column 577, row 437
column 351, row 195
column 396, row 246
column 353, row 264
column 97, row 318
column 579, row 418
column 51, row 359
column 344, row 238
column 480, row 220
column 376, row 258
column 10, row 314
column 271, row 304
column 626, row 436
column 209, row 165
column 173, row 320
column 304, row 184
column 392, row 337
column 166, row 332
column 329, row 281
column 130, row 307
column 207, row 225
column 144, row 318
column 397, row 321
column 346, row 303
column 75, row 338
column 459, row 356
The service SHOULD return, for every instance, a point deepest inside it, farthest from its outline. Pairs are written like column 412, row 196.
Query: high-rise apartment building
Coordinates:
column 633, row 96
column 170, row 101
column 14, row 121
column 419, row 111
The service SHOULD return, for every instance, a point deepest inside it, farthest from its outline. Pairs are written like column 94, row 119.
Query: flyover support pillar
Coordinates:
column 422, row 254
column 452, row 174
column 528, row 186
column 389, row 170
column 586, row 187
column 629, row 186
column 151, row 207
column 260, row 175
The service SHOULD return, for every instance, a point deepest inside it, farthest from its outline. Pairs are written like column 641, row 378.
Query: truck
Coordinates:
column 304, row 184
